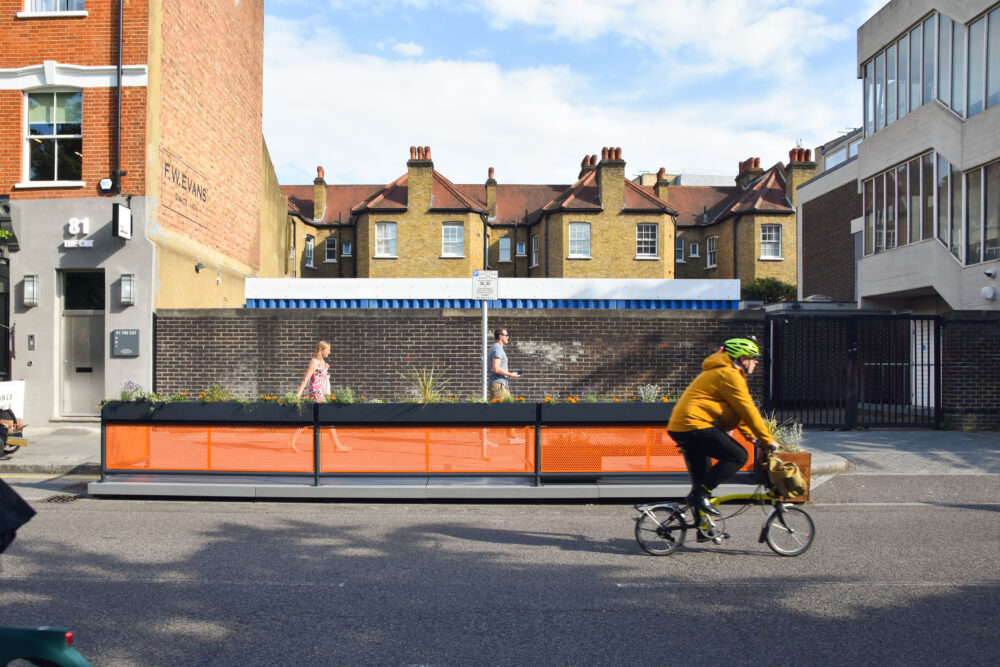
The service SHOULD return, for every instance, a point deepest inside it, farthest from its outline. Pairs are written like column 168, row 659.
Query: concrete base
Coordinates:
column 397, row 488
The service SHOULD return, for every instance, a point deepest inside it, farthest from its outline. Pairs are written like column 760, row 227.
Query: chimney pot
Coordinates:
column 319, row 173
column 809, row 155
column 586, row 161
column 413, row 152
column 604, row 153
column 618, row 152
column 427, row 152
column 791, row 156
column 756, row 163
column 490, row 172
column 661, row 175
column 593, row 160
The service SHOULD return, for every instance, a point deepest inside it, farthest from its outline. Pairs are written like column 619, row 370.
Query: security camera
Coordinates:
column 992, row 273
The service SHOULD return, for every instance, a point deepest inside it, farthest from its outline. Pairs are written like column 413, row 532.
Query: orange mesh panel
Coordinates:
column 428, row 449
column 218, row 448
column 612, row 449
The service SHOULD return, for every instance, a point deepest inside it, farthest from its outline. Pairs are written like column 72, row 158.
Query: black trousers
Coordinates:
column 700, row 447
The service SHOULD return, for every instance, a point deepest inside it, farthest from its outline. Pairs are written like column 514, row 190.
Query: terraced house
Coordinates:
column 423, row 225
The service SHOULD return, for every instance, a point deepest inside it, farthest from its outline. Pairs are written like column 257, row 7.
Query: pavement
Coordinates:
column 75, row 448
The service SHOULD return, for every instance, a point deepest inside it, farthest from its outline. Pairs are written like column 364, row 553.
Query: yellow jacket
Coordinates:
column 719, row 397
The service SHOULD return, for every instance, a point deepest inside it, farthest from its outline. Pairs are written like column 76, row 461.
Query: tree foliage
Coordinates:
column 768, row 290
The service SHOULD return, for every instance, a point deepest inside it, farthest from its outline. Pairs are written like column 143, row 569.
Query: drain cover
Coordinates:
column 61, row 498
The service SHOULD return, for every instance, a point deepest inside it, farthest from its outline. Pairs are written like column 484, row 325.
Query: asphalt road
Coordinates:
column 904, row 570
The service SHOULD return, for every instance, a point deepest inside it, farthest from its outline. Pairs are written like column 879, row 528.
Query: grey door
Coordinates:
column 82, row 346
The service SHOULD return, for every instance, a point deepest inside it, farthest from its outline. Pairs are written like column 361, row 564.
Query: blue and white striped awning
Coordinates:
column 516, row 293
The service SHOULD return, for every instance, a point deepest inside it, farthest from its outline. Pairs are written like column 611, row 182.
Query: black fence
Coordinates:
column 857, row 370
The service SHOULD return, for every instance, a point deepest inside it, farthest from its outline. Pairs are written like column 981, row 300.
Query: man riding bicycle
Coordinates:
column 716, row 402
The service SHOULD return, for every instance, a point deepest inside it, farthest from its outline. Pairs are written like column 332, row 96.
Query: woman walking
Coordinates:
column 317, row 378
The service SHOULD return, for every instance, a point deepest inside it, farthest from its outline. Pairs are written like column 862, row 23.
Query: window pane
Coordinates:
column 977, row 72
column 904, row 74
column 679, row 250
column 83, row 290
column 916, row 42
column 928, row 68
column 505, row 249
column 452, row 240
column 902, row 222
column 958, row 70
column 579, row 239
column 944, row 60
column 870, row 98
column 645, row 241
column 42, row 159
column 869, row 217
column 770, row 241
column 974, row 219
column 956, row 212
column 878, row 195
column 835, row 158
column 69, row 113
column 69, row 167
column 890, row 84
column 890, row 209
column 40, row 114
column 991, row 231
column 914, row 200
column 385, row 238
column 693, row 250
column 993, row 60
column 927, row 194
column 879, row 91
column 944, row 210
column 330, row 254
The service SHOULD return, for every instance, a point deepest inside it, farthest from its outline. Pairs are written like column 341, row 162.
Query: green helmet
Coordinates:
column 741, row 347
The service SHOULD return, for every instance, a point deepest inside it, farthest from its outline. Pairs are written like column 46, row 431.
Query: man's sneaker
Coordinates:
column 701, row 502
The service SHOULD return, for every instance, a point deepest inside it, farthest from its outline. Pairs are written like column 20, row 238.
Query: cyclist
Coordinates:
column 716, row 402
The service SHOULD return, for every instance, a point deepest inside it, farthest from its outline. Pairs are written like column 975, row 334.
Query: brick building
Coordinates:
column 148, row 115
column 423, row 225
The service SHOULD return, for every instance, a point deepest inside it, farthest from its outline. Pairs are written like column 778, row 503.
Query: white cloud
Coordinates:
column 408, row 49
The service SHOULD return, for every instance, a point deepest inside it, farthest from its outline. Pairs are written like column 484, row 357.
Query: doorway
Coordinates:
column 82, row 346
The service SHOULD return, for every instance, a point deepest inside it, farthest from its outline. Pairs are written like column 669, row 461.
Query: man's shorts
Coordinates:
column 498, row 391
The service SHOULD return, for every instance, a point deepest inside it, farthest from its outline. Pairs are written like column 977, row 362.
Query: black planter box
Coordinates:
column 606, row 413
column 196, row 412
column 429, row 413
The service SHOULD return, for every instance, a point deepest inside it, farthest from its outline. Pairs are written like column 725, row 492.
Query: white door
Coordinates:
column 82, row 346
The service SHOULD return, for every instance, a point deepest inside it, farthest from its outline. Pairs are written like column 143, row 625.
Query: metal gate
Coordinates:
column 846, row 371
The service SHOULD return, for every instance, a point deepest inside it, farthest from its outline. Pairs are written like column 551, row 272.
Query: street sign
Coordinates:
column 485, row 285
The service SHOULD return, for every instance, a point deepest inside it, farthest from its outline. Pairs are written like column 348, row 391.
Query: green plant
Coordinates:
column 428, row 383
column 216, row 393
column 343, row 395
column 590, row 398
column 788, row 434
column 133, row 391
column 648, row 393
column 768, row 290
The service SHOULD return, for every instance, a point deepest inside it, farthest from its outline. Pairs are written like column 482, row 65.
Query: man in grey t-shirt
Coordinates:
column 497, row 361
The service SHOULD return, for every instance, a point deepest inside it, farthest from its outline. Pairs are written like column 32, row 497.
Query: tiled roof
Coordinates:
column 765, row 195
column 699, row 204
column 584, row 195
column 340, row 199
column 445, row 196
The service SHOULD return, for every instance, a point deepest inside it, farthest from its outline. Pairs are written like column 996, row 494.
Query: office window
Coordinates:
column 679, row 250
column 943, row 207
column 929, row 58
column 879, row 91
column 693, row 250
column 890, row 84
column 993, row 60
column 878, row 203
column 958, row 70
column 974, row 216
column 770, row 241
column 957, row 226
column 904, row 76
column 534, row 250
column 869, row 212
column 57, row 5
column 991, row 219
column 916, row 57
column 870, row 98
column 852, row 148
column 307, row 253
column 452, row 239
column 521, row 252
column 977, row 67
column 345, row 249
column 710, row 244
column 927, row 194
column 579, row 239
column 902, row 219
column 330, row 250
column 504, row 249
column 890, row 209
column 645, row 240
column 944, row 60
column 55, row 136
column 913, row 201
column 385, row 239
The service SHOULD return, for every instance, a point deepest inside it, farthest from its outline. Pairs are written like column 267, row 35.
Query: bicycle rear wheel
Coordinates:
column 789, row 532
column 660, row 530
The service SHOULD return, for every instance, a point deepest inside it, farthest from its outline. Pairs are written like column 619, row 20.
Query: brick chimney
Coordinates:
column 491, row 195
column 420, row 179
column 800, row 169
column 611, row 179
column 319, row 195
column 749, row 170
column 588, row 164
column 660, row 188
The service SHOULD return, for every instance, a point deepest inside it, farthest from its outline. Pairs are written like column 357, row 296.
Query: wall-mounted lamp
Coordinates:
column 199, row 266
column 128, row 289
column 31, row 290
column 990, row 273
column 989, row 293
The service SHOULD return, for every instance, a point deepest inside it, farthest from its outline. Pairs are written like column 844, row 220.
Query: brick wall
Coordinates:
column 970, row 362
column 827, row 244
column 562, row 353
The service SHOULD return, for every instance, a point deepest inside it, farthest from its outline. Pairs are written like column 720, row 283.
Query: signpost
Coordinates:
column 485, row 287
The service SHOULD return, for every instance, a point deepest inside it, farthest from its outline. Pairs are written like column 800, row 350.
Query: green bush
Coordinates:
column 768, row 290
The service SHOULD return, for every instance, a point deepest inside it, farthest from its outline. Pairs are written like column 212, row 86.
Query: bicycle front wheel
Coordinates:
column 789, row 532
column 660, row 530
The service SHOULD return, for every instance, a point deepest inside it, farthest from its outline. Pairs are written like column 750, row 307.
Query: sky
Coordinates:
column 530, row 87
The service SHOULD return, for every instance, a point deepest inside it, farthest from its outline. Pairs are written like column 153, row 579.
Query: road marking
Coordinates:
column 800, row 584
column 29, row 475
column 180, row 582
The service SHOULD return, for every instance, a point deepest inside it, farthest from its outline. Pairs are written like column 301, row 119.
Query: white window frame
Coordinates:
column 534, row 251
column 711, row 249
column 693, row 250
column 309, row 252
column 26, row 171
column 31, row 12
column 766, row 232
column 330, row 257
column 679, row 250
column 503, row 252
column 385, row 243
column 346, row 248
column 576, row 249
column 639, row 240
column 522, row 250
column 452, row 239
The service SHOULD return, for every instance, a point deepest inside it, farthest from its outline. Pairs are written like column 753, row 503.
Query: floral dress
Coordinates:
column 319, row 383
